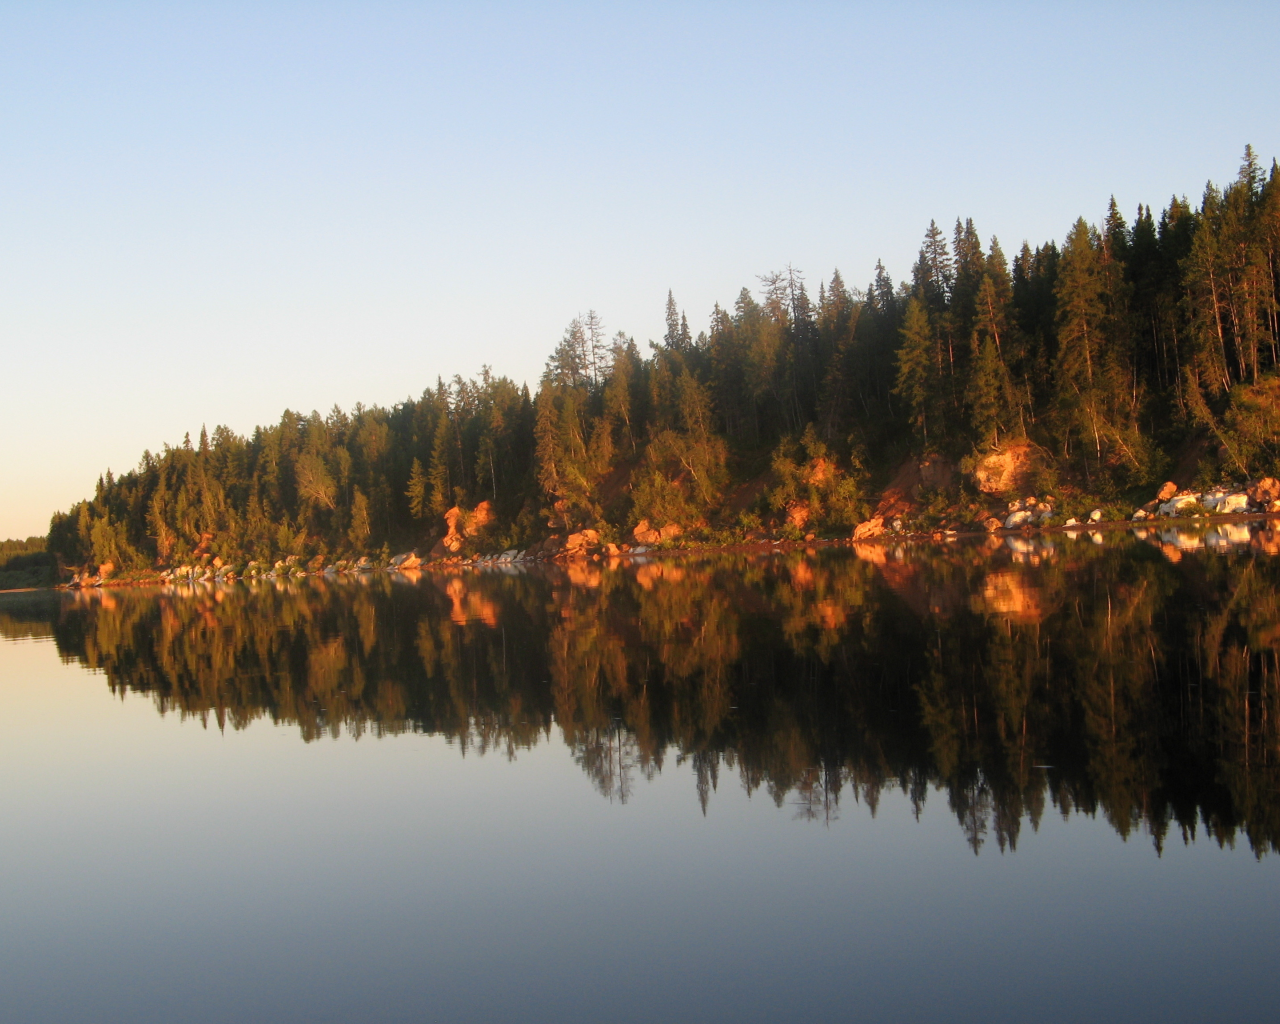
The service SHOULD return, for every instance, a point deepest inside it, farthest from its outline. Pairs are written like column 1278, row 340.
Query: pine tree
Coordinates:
column 676, row 336
column 597, row 352
column 987, row 394
column 418, row 491
column 439, row 476
column 917, row 368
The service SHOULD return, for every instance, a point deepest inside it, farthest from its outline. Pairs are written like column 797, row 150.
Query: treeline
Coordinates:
column 1111, row 354
column 26, row 563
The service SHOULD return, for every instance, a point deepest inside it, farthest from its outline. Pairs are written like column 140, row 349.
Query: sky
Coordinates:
column 212, row 213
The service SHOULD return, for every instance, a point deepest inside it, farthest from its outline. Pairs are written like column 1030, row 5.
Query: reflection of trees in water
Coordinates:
column 1105, row 680
column 611, row 758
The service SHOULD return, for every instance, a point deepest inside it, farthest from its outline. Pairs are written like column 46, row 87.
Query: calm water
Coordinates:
column 1027, row 781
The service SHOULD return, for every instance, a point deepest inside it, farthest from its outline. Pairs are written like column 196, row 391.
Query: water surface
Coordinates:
column 1026, row 780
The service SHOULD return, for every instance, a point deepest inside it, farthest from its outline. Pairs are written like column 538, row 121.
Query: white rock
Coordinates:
column 1095, row 516
column 1177, row 503
column 1231, row 504
column 1073, row 521
column 1017, row 519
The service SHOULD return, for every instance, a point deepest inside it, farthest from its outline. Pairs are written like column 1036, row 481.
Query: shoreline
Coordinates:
column 455, row 564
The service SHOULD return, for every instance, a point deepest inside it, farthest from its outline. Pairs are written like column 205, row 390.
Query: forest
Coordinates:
column 1112, row 354
column 26, row 563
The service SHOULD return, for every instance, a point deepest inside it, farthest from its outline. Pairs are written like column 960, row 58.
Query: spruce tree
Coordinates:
column 917, row 369
column 418, row 491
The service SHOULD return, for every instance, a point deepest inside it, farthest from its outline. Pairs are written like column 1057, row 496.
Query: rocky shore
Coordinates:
column 923, row 502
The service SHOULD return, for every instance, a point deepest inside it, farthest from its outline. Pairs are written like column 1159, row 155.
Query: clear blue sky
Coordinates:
column 209, row 213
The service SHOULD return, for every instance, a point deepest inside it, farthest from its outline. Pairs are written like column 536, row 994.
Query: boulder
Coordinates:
column 1265, row 491
column 1177, row 503
column 1095, row 516
column 611, row 550
column 1020, row 518
column 580, row 542
column 1231, row 504
column 991, row 524
column 645, row 534
column 871, row 528
column 1167, row 490
column 105, row 570
column 671, row 531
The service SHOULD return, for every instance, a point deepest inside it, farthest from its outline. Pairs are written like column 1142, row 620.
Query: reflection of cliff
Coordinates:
column 1011, row 594
column 1148, row 686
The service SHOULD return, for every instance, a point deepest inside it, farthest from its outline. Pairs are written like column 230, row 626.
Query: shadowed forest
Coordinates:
column 1132, row 679
column 1113, row 354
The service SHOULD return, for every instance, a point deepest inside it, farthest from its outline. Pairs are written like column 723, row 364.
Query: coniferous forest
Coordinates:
column 1113, row 355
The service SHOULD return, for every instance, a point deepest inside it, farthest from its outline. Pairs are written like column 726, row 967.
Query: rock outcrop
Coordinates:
column 1007, row 470
column 798, row 513
column 460, row 526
